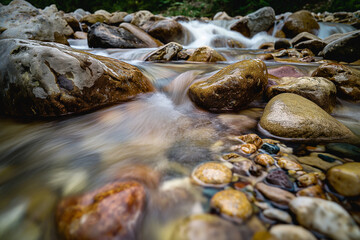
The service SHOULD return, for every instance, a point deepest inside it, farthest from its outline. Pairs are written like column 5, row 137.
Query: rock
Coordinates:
column 280, row 179
column 314, row 45
column 314, row 160
column 79, row 13
column 211, row 227
column 307, row 179
column 344, row 150
column 93, row 18
column 246, row 167
column 232, row 88
column 22, row 20
column 166, row 30
column 185, row 54
column 206, row 54
column 73, row 22
column 232, row 203
column 346, row 79
column 113, row 210
column 326, row 217
column 252, row 138
column 270, row 148
column 116, row 18
column 212, row 174
column 344, row 49
column 238, row 123
column 291, row 116
column 317, row 89
column 221, row 41
column 264, row 160
column 288, row 164
column 345, row 179
column 222, row 16
column 267, row 45
column 248, row 148
column 285, row 232
column 140, row 34
column 165, row 53
column 49, row 79
column 141, row 17
column 275, row 194
column 105, row 36
column 282, row 43
column 277, row 214
column 128, row 18
column 300, row 21
column 80, row 35
column 256, row 22
column 103, row 12
column 313, row 191
column 302, row 37
column 285, row 71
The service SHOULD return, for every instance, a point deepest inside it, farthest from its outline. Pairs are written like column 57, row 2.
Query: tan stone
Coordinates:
column 275, row 194
column 212, row 173
column 345, row 179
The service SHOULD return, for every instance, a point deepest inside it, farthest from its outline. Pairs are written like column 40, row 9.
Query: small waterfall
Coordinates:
column 327, row 29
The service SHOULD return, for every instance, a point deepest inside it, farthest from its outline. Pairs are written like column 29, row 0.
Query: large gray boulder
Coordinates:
column 22, row 20
column 291, row 116
column 49, row 79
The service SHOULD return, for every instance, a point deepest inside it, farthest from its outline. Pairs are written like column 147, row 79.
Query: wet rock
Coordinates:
column 238, row 123
column 221, row 41
column 317, row 89
column 105, row 36
column 141, row 17
column 116, row 18
column 222, row 16
column 80, row 35
column 212, row 174
column 22, row 20
column 291, row 116
column 300, row 21
column 165, row 53
column 270, row 148
column 264, row 160
column 285, row 232
column 252, row 138
column 256, row 22
column 212, row 228
column 326, row 217
column 345, row 48
column 314, row 160
column 344, row 150
column 246, row 167
column 277, row 214
column 49, row 79
column 232, row 203
column 166, row 30
column 282, row 43
column 313, row 191
column 232, row 88
column 280, row 179
column 248, row 148
column 285, row 71
column 91, row 19
column 113, row 210
column 184, row 54
column 140, row 34
column 275, row 194
column 288, row 164
column 206, row 54
column 267, row 45
column 346, row 79
column 314, row 45
column 307, row 179
column 345, row 179
column 304, row 36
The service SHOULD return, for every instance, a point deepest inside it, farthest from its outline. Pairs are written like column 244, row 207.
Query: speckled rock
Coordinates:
column 288, row 164
column 113, row 210
column 165, row 53
column 346, row 79
column 264, row 160
column 251, row 138
column 211, row 226
column 232, row 203
column 277, row 214
column 286, row 232
column 317, row 89
column 280, row 179
column 307, row 179
column 326, row 217
column 313, row 191
column 246, row 167
column 232, row 88
column 345, row 179
column 206, row 54
column 289, row 115
column 248, row 148
column 275, row 194
column 49, row 79
column 300, row 21
column 212, row 174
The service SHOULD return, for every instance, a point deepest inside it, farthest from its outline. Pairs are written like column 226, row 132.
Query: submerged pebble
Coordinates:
column 345, row 179
column 212, row 174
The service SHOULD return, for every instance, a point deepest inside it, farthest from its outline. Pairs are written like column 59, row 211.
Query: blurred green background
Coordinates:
column 200, row 8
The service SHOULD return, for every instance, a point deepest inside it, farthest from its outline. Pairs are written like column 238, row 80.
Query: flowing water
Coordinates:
column 42, row 162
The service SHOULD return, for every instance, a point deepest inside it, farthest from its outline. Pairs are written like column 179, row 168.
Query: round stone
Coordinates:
column 345, row 179
column 313, row 191
column 280, row 179
column 264, row 160
column 232, row 203
column 285, row 232
column 275, row 194
column 212, row 174
column 289, row 165
column 252, row 138
column 277, row 214
column 248, row 148
column 307, row 179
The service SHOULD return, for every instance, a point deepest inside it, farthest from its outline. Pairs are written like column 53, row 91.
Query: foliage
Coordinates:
column 200, row 8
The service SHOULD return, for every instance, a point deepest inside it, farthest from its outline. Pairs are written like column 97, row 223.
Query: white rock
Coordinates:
column 277, row 214
column 286, row 232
